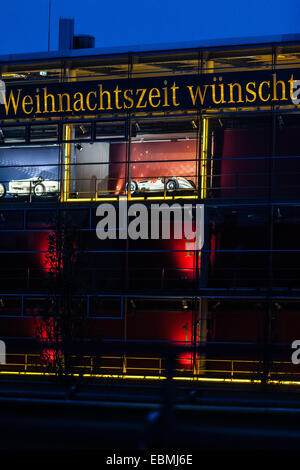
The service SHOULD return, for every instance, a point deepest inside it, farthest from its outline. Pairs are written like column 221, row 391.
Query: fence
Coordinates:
column 155, row 367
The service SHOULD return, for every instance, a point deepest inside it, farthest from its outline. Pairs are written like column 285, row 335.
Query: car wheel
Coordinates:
column 133, row 187
column 192, row 183
column 2, row 190
column 39, row 190
column 172, row 185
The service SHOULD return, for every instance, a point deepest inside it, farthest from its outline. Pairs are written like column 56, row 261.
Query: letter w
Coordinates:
column 194, row 96
column 12, row 100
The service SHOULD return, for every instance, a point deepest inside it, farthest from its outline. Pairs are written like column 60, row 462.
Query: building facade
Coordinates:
column 214, row 124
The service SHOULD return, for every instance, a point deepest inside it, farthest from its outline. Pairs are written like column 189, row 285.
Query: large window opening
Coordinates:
column 30, row 172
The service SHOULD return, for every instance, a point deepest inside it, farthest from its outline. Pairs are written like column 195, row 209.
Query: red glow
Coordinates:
column 45, row 332
column 184, row 257
column 185, row 360
column 42, row 246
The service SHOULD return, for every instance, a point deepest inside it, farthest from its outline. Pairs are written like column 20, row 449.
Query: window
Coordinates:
column 106, row 307
column 164, row 155
column 12, row 134
column 79, row 131
column 110, row 130
column 44, row 133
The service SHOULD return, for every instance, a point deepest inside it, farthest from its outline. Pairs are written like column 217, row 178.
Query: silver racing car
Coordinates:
column 158, row 184
column 39, row 187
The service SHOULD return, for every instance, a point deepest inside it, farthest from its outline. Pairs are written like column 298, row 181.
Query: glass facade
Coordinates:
column 218, row 127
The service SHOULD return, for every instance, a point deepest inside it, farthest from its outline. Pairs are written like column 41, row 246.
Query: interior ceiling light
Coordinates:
column 216, row 305
column 287, row 56
column 13, row 75
column 194, row 125
column 185, row 305
column 82, row 128
column 281, row 122
column 244, row 57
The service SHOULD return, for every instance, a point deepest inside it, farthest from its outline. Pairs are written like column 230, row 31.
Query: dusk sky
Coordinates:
column 24, row 25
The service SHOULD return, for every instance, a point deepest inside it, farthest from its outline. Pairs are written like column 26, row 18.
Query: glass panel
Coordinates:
column 10, row 305
column 106, row 68
column 44, row 133
column 29, row 171
column 110, row 130
column 11, row 219
column 239, row 157
column 41, row 219
column 11, row 134
column 30, row 72
column 96, row 169
column 164, row 156
column 106, row 307
column 288, row 57
column 164, row 64
column 38, row 305
column 79, row 131
column 237, row 320
column 160, row 319
column 238, row 60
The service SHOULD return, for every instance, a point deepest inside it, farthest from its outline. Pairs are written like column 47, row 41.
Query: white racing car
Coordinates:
column 39, row 187
column 158, row 184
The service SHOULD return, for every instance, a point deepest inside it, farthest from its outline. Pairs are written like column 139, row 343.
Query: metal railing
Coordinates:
column 146, row 367
column 221, row 185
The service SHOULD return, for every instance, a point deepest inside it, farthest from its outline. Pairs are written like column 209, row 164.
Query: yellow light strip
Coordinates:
column 89, row 199
column 106, row 199
column 160, row 377
column 13, row 75
column 204, row 147
column 156, row 198
column 80, row 199
column 65, row 195
column 185, row 197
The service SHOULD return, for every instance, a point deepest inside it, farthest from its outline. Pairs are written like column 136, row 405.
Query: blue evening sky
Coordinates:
column 24, row 23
